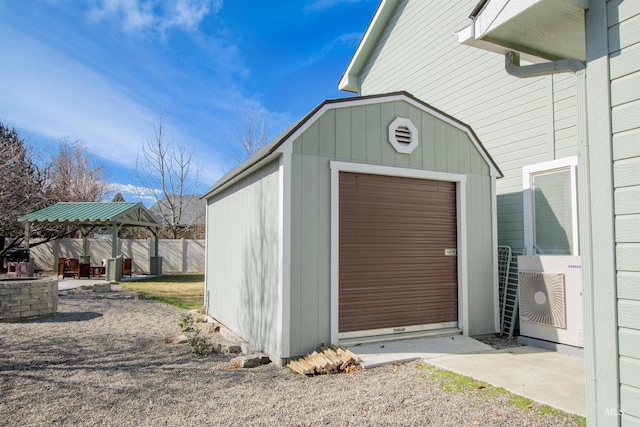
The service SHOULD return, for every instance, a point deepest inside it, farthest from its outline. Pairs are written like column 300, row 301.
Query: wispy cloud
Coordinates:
column 68, row 99
column 155, row 15
column 348, row 40
column 317, row 5
column 130, row 191
column 51, row 94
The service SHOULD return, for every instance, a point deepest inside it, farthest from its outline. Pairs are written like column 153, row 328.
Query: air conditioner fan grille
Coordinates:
column 542, row 298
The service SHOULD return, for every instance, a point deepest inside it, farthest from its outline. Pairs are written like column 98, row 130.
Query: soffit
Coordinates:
column 544, row 29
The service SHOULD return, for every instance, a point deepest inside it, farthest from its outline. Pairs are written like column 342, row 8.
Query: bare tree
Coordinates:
column 29, row 183
column 21, row 187
column 170, row 174
column 250, row 135
column 73, row 178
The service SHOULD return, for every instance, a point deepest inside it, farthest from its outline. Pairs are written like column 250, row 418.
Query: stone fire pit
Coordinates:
column 27, row 298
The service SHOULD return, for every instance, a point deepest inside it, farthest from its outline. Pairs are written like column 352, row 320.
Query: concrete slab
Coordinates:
column 382, row 353
column 551, row 378
column 547, row 377
column 66, row 284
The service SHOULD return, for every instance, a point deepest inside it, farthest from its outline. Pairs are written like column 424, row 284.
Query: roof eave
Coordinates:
column 349, row 82
column 144, row 217
column 465, row 37
column 254, row 166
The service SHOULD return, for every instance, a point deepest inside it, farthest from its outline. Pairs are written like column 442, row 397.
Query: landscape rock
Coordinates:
column 180, row 339
column 208, row 328
column 250, row 361
column 224, row 346
column 102, row 287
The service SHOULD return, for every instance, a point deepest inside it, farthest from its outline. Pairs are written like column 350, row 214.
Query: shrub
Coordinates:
column 200, row 346
column 185, row 322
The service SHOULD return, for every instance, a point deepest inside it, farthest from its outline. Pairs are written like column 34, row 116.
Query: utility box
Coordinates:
column 113, row 270
column 155, row 266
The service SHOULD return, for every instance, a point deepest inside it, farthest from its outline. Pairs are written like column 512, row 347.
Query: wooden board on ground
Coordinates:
column 329, row 360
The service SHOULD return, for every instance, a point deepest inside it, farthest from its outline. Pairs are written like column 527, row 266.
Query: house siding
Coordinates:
column 624, row 70
column 564, row 115
column 359, row 134
column 519, row 121
column 243, row 257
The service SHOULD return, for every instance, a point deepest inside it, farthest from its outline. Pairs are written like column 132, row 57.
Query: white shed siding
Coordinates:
column 624, row 51
column 243, row 258
column 514, row 118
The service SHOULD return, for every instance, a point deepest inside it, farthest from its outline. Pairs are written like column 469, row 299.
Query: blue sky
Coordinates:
column 100, row 71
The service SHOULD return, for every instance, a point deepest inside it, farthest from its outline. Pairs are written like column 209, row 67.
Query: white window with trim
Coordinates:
column 551, row 207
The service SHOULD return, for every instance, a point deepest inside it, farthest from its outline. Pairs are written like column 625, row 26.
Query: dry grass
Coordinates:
column 182, row 290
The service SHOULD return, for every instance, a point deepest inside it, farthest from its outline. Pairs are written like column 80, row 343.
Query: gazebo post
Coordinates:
column 157, row 242
column 84, row 258
column 114, row 268
column 155, row 262
column 27, row 236
column 114, row 240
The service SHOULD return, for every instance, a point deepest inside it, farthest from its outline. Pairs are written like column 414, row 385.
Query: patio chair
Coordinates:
column 17, row 269
column 84, row 270
column 71, row 268
column 126, row 266
column 61, row 263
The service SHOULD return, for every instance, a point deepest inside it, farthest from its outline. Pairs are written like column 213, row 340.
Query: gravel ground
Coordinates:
column 499, row 342
column 102, row 360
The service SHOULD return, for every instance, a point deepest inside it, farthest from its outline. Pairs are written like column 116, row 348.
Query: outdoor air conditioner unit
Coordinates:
column 550, row 298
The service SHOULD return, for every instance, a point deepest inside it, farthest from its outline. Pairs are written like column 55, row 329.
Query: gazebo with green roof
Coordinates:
column 89, row 215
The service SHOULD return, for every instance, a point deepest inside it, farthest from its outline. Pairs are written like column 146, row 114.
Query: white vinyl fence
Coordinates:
column 180, row 255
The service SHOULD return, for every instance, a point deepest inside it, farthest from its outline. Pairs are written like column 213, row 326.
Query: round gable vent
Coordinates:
column 403, row 135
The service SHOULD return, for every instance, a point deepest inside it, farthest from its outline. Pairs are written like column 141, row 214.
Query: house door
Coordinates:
column 397, row 255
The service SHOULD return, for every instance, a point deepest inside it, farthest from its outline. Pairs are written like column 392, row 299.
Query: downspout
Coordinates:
column 577, row 67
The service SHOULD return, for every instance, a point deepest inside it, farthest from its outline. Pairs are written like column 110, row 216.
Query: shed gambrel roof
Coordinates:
column 93, row 214
column 276, row 145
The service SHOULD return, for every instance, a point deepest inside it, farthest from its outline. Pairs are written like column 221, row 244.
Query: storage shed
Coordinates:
column 371, row 217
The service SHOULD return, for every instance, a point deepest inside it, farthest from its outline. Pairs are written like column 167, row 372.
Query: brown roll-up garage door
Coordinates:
column 393, row 271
